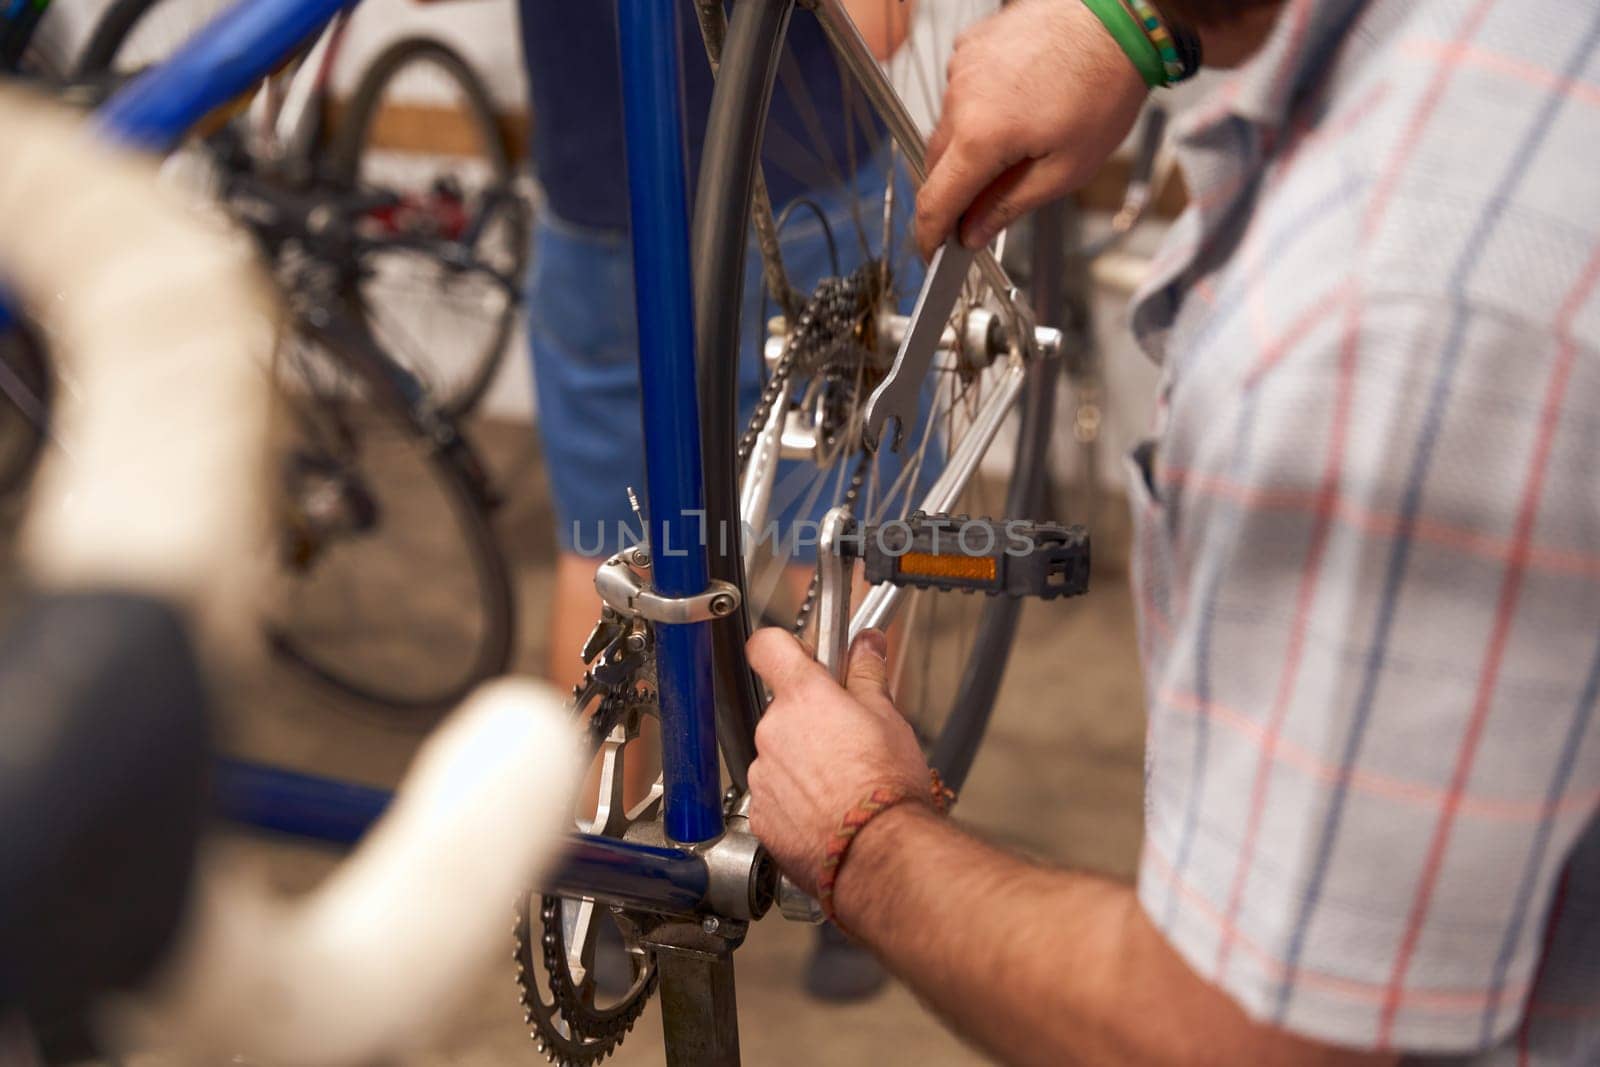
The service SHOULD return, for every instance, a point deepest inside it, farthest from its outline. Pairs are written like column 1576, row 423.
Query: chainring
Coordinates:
column 568, row 1032
column 568, row 1027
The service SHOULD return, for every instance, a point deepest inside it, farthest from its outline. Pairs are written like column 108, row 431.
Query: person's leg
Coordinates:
column 574, row 608
column 585, row 368
column 585, row 362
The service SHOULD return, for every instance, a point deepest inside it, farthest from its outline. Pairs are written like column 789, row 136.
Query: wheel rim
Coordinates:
column 384, row 585
column 442, row 262
column 154, row 33
column 925, row 681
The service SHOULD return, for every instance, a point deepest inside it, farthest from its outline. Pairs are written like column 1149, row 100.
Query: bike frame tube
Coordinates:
column 339, row 813
column 299, row 805
column 235, row 51
column 658, row 196
column 667, row 880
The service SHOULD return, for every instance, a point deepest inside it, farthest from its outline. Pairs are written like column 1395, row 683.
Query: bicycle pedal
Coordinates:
column 998, row 557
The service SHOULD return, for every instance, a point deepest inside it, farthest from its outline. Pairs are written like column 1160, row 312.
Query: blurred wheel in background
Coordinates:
column 135, row 34
column 443, row 252
column 392, row 587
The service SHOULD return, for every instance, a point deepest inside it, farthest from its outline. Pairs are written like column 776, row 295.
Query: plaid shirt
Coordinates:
column 1367, row 554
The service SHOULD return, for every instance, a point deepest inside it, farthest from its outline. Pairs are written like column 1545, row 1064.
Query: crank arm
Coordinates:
column 835, row 566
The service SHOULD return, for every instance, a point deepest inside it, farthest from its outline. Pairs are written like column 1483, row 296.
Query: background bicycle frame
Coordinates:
column 224, row 61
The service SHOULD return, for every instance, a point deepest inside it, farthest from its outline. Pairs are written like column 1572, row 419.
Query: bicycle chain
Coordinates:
column 825, row 341
column 583, row 1036
column 851, row 493
column 633, row 698
column 826, row 329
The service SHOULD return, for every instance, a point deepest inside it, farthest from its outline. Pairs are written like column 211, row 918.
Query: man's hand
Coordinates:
column 821, row 749
column 1039, row 96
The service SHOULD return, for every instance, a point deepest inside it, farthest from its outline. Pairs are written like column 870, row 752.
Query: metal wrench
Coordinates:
column 899, row 395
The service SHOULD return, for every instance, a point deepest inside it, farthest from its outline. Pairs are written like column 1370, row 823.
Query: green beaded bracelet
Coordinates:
column 1131, row 38
column 1156, row 30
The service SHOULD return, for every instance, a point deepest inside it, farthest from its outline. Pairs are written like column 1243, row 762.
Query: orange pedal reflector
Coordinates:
column 929, row 565
column 1008, row 557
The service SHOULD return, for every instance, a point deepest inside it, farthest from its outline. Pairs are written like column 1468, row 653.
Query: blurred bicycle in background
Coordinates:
column 400, row 257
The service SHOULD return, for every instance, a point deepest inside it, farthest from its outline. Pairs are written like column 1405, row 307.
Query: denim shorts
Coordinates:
column 584, row 341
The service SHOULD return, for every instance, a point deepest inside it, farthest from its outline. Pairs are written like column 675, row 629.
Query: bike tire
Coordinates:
column 350, row 143
column 97, row 68
column 459, row 476
column 106, row 39
column 454, row 467
column 722, row 221
column 117, row 23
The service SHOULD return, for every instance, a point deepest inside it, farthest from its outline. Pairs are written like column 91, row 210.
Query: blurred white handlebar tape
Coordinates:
column 376, row 958
column 162, row 326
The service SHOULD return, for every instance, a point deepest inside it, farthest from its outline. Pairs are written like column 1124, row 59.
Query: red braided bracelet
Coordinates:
column 876, row 802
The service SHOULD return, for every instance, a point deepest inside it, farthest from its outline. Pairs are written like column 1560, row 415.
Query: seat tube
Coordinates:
column 659, row 206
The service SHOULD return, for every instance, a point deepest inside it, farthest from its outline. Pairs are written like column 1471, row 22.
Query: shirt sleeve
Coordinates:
column 1370, row 589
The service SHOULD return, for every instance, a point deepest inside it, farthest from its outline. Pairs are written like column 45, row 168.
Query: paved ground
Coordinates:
column 1060, row 776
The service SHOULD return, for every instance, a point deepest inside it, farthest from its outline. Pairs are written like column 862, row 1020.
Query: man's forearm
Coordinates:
column 986, row 938
column 1039, row 965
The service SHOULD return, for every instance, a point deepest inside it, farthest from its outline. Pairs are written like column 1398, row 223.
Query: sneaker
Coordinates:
column 841, row 971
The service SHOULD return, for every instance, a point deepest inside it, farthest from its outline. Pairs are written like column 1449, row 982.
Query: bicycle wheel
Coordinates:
column 950, row 650
column 443, row 253
column 394, row 589
column 134, row 34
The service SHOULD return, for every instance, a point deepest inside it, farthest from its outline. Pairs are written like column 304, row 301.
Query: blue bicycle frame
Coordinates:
column 245, row 45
